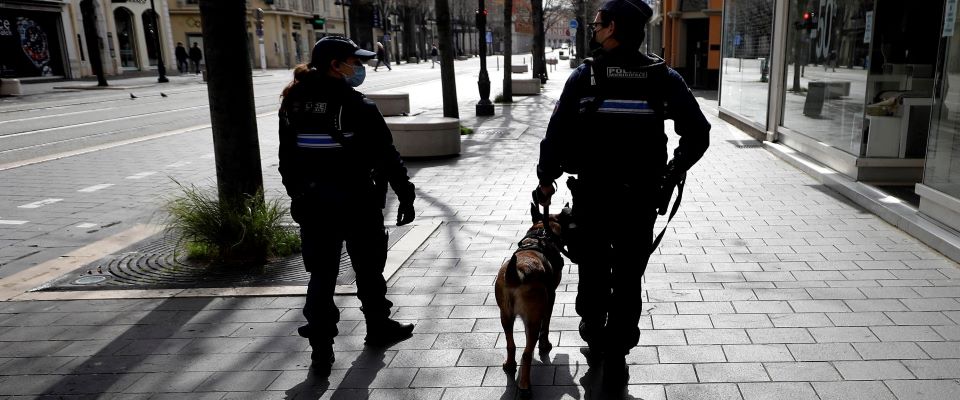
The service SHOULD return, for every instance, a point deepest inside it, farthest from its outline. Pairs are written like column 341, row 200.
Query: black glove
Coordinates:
column 543, row 193
column 671, row 178
column 405, row 214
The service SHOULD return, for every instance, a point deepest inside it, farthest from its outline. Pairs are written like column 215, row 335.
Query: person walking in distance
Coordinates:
column 181, row 54
column 336, row 160
column 196, row 55
column 382, row 57
column 608, row 128
column 434, row 53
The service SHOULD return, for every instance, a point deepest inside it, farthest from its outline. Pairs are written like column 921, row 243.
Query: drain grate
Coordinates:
column 155, row 264
column 747, row 144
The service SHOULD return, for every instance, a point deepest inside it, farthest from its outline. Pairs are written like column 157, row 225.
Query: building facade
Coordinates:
column 868, row 88
column 287, row 33
column 691, row 39
column 48, row 39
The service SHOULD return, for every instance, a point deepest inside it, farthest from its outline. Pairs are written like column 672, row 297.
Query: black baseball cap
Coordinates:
column 636, row 11
column 339, row 48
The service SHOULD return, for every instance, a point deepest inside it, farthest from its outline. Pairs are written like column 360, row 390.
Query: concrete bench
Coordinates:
column 391, row 104
column 413, row 60
column 10, row 87
column 551, row 61
column 518, row 69
column 422, row 136
column 462, row 58
column 525, row 86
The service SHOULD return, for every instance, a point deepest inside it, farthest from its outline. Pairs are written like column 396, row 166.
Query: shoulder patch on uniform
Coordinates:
column 620, row 73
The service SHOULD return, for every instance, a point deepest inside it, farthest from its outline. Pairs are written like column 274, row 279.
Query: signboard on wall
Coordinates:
column 30, row 44
column 949, row 18
column 868, row 28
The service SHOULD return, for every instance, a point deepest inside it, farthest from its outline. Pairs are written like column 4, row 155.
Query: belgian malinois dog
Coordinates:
column 526, row 286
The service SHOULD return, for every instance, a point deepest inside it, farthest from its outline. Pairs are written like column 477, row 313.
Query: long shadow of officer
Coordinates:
column 336, row 158
column 608, row 128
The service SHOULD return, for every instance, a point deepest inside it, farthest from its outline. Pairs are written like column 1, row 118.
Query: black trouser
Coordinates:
column 322, row 243
column 616, row 228
column 182, row 65
column 384, row 62
column 196, row 66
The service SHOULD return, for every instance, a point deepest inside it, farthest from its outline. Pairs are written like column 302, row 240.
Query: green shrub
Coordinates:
column 465, row 130
column 498, row 98
column 214, row 231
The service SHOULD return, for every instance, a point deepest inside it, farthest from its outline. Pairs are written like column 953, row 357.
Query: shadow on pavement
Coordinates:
column 361, row 375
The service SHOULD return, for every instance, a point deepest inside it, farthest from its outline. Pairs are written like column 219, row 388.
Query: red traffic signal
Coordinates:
column 806, row 16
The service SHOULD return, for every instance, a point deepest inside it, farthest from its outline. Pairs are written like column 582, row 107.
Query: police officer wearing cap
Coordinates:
column 608, row 129
column 336, row 159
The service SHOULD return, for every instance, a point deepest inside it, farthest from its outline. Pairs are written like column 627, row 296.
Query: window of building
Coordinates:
column 747, row 33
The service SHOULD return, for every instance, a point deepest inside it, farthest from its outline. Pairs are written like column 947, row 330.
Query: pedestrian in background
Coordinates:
column 434, row 53
column 181, row 55
column 382, row 57
column 336, row 159
column 195, row 57
column 608, row 128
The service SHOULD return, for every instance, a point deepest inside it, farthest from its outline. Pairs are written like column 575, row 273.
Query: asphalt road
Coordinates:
column 55, row 123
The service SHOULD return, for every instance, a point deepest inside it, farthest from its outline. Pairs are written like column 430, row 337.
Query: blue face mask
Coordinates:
column 359, row 74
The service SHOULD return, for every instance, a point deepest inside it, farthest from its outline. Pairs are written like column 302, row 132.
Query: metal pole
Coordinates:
column 484, row 106
column 263, row 49
column 343, row 12
column 161, row 70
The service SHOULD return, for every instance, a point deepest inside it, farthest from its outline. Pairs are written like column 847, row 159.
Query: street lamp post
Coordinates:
column 161, row 70
column 484, row 106
column 343, row 11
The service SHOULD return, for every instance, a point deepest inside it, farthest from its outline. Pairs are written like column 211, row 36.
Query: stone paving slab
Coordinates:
column 768, row 286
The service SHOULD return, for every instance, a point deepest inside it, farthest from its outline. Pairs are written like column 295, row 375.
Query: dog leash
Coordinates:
column 545, row 221
column 673, row 212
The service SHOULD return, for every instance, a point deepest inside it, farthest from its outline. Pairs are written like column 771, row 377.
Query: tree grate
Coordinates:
column 157, row 264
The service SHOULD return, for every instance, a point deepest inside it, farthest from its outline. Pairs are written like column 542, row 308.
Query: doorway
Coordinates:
column 126, row 38
column 698, row 34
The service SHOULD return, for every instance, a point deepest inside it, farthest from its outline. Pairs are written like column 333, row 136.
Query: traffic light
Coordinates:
column 318, row 21
column 809, row 20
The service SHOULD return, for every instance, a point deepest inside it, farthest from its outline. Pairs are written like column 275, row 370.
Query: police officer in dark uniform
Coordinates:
column 608, row 128
column 336, row 158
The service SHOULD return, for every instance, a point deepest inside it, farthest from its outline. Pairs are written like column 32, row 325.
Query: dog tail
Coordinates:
column 519, row 272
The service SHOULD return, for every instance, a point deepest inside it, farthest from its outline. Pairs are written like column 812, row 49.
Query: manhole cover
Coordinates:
column 157, row 264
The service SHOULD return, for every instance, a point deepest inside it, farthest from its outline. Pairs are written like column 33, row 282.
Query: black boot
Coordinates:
column 615, row 373
column 322, row 356
column 387, row 331
column 594, row 338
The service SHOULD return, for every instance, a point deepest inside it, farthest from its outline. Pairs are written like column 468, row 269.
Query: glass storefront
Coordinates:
column 30, row 42
column 125, row 37
column 746, row 51
column 826, row 70
column 942, row 169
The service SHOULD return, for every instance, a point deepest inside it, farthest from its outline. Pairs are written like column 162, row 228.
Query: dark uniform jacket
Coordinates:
column 336, row 151
column 608, row 124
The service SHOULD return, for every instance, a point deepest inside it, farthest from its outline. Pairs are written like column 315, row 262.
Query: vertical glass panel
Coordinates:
column 900, row 84
column 150, row 23
column 826, row 70
column 125, row 37
column 747, row 32
column 942, row 169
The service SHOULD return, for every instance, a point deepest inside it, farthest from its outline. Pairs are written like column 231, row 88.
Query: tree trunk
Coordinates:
column 507, row 51
column 89, row 13
column 447, row 77
column 539, row 59
column 230, row 90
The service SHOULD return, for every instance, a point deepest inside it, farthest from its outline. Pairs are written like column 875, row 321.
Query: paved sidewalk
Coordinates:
column 767, row 287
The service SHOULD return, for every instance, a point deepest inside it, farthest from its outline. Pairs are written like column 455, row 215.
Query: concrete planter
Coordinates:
column 525, row 86
column 10, row 87
column 391, row 104
column 425, row 136
column 518, row 69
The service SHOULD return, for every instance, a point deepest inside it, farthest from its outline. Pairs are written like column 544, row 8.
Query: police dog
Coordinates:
column 526, row 286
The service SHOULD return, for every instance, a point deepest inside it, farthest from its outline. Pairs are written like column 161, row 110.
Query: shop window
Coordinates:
column 942, row 169
column 126, row 37
column 745, row 71
column 152, row 33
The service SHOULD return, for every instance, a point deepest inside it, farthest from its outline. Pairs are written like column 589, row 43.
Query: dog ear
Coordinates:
column 535, row 212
